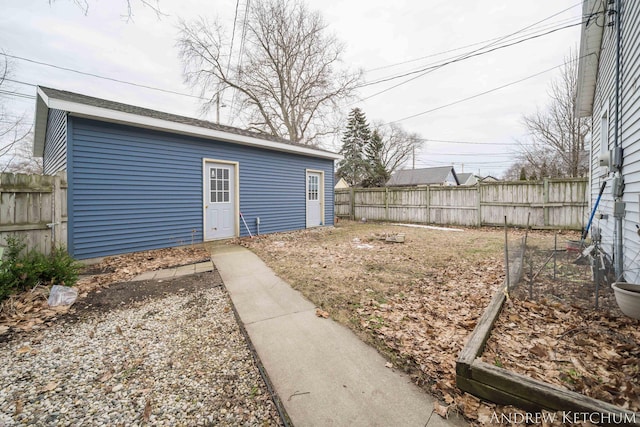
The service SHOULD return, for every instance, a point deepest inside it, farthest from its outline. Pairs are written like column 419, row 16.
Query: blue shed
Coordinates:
column 142, row 179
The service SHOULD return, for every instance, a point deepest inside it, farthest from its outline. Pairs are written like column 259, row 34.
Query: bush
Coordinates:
column 22, row 270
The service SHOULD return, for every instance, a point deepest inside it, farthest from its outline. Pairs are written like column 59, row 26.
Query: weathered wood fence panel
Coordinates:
column 342, row 203
column 544, row 204
column 34, row 208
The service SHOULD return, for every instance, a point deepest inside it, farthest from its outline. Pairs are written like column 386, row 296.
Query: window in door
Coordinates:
column 313, row 187
column 219, row 180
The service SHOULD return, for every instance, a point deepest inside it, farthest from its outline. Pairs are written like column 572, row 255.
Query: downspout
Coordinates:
column 618, row 190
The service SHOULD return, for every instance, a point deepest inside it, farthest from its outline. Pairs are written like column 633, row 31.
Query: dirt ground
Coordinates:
column 416, row 301
column 128, row 294
column 28, row 311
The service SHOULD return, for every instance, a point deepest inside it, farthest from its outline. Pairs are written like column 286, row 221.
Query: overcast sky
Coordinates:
column 383, row 38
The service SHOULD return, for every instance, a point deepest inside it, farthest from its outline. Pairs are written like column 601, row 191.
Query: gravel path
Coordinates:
column 177, row 360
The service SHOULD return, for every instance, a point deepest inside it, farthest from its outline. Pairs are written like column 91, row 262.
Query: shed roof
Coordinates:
column 80, row 105
column 425, row 176
column 464, row 177
column 590, row 46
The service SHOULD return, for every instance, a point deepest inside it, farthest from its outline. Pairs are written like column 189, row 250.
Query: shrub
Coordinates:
column 22, row 270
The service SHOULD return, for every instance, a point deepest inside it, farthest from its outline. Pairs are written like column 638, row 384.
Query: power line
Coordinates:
column 20, row 82
column 478, row 94
column 408, row 61
column 233, row 35
column 480, row 51
column 240, row 56
column 469, row 154
column 449, row 141
column 428, row 162
column 16, row 94
column 33, row 61
column 429, row 69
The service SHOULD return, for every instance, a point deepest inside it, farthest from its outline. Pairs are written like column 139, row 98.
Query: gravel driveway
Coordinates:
column 176, row 359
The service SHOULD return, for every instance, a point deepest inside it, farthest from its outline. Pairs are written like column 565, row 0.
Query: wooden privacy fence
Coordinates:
column 552, row 203
column 34, row 208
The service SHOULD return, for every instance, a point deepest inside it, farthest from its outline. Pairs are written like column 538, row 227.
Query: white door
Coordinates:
column 314, row 199
column 219, row 201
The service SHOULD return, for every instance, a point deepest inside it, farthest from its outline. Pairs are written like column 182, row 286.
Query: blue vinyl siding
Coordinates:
column 133, row 189
column 55, row 145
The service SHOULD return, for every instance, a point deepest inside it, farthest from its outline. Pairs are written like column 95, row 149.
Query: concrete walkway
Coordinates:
column 168, row 273
column 323, row 374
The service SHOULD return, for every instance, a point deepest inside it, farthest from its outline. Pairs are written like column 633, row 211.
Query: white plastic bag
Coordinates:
column 62, row 295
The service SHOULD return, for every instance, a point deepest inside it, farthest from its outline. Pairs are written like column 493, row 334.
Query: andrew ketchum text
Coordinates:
column 566, row 417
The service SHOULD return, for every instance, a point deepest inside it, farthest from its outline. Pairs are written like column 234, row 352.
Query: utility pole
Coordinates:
column 218, row 108
column 414, row 157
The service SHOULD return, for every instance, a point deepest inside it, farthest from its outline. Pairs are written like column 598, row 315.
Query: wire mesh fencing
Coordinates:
column 555, row 266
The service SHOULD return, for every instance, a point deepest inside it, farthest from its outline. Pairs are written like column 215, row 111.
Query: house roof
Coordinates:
column 79, row 105
column 464, row 177
column 425, row 176
column 590, row 46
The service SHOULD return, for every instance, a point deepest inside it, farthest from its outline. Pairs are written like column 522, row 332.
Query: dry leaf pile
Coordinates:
column 29, row 310
column 560, row 338
column 427, row 325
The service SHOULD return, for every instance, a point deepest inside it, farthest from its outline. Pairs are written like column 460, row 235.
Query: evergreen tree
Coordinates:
column 377, row 174
column 353, row 167
column 523, row 174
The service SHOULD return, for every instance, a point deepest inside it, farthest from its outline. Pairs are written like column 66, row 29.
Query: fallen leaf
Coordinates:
column 440, row 409
column 50, row 386
column 19, row 407
column 485, row 414
column 147, row 411
column 106, row 377
column 539, row 351
column 322, row 313
column 24, row 349
column 119, row 330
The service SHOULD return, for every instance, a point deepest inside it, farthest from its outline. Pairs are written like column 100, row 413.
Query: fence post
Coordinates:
column 479, row 205
column 545, row 208
column 352, row 203
column 428, row 204
column 386, row 203
column 56, row 216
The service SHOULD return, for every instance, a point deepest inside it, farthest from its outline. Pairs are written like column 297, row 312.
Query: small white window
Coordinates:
column 219, row 182
column 313, row 187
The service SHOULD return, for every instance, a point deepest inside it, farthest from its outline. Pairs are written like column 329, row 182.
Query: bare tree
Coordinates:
column 21, row 159
column 287, row 75
column 557, row 146
column 154, row 5
column 14, row 131
column 398, row 145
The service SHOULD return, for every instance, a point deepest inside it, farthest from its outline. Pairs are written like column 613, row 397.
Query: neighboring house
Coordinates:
column 466, row 178
column 141, row 179
column 444, row 175
column 340, row 183
column 609, row 92
column 489, row 178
